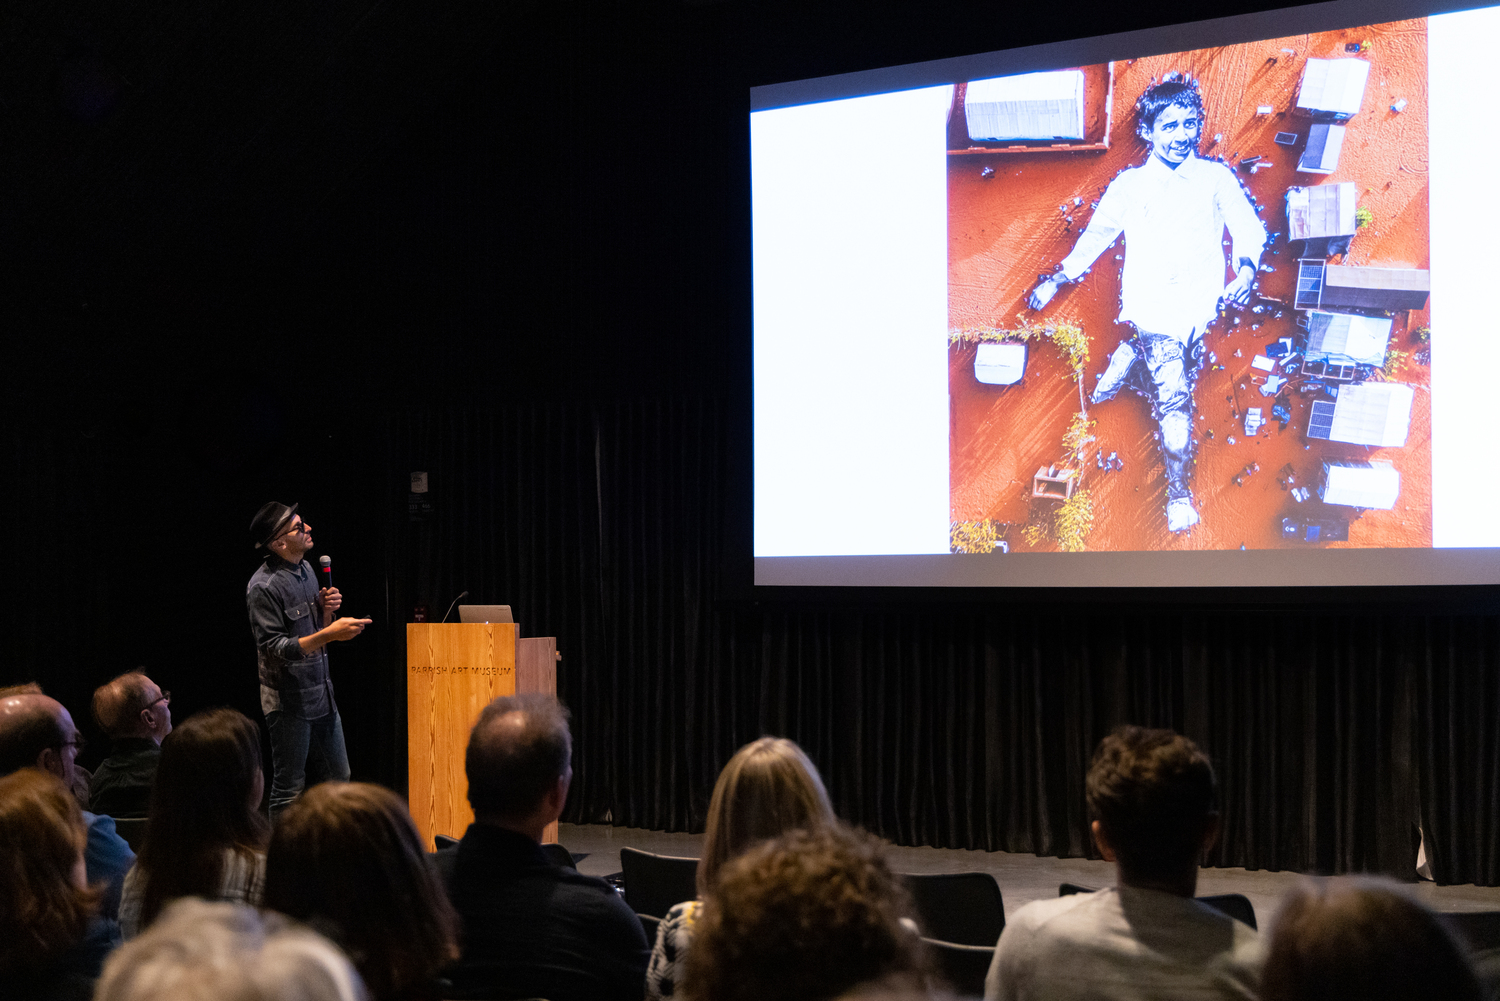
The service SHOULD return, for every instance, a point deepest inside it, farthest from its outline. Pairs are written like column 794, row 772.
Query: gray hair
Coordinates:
column 198, row 951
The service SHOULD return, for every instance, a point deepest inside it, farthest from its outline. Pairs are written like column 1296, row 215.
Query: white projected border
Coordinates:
column 1464, row 151
column 851, row 313
column 851, row 421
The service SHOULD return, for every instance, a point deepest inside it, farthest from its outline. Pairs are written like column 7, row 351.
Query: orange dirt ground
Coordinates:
column 1006, row 230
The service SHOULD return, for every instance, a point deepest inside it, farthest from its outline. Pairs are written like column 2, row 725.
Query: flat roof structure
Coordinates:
column 1333, row 87
column 1370, row 485
column 1000, row 364
column 1368, row 413
column 1322, row 211
column 1366, row 287
column 1027, row 106
column 1324, row 142
column 1347, row 339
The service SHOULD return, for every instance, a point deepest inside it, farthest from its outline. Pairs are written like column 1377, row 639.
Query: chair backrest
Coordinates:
column 963, row 966
column 132, row 829
column 441, row 841
column 1480, row 930
column 650, row 926
column 1235, row 905
column 653, row 883
column 962, row 908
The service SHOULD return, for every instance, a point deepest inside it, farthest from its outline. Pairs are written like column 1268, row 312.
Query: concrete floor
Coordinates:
column 1022, row 878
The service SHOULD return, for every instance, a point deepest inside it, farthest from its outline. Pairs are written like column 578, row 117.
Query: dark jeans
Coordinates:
column 1173, row 373
column 303, row 752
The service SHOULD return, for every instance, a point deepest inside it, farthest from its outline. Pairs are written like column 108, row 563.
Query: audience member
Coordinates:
column 37, row 731
column 135, row 714
column 346, row 858
column 805, row 917
column 52, row 939
column 205, row 836
column 768, row 788
column 78, row 783
column 201, row 951
column 1151, row 794
column 531, row 928
column 1362, row 940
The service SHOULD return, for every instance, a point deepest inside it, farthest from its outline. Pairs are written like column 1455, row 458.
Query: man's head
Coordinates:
column 133, row 705
column 228, row 952
column 37, row 731
column 1363, row 938
column 519, row 761
column 1151, row 795
column 281, row 530
column 1169, row 116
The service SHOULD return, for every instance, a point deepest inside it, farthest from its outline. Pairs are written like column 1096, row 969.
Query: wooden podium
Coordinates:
column 453, row 670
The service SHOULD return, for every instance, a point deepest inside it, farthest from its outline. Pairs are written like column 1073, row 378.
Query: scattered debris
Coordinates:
column 1286, row 138
column 1252, row 421
column 987, row 173
column 1265, row 109
column 1398, row 105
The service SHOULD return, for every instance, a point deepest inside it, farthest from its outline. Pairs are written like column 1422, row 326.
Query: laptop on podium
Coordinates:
column 484, row 613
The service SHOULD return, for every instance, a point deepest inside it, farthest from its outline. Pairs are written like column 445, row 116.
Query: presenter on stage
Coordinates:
column 292, row 620
column 1172, row 211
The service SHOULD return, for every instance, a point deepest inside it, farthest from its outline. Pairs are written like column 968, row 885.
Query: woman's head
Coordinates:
column 1362, row 939
column 42, row 881
column 804, row 917
column 768, row 788
column 205, row 800
column 347, row 858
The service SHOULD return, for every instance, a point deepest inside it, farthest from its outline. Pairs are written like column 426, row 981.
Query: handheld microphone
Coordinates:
column 450, row 607
column 327, row 563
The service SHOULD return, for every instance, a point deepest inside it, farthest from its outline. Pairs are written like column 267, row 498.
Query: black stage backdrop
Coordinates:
column 1334, row 732
column 255, row 253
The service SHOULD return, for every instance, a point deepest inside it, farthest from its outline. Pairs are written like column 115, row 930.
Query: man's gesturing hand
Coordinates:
column 1044, row 291
column 346, row 628
column 1239, row 290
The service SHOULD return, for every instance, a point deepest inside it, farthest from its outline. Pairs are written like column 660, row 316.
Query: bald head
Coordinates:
column 518, row 752
column 132, row 705
column 36, row 731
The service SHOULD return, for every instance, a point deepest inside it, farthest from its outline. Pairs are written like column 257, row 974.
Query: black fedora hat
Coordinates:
column 269, row 522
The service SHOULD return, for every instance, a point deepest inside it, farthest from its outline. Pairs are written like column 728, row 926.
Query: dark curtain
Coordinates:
column 1334, row 732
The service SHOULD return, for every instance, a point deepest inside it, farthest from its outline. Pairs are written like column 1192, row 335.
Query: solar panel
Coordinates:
column 1320, row 425
column 1309, row 284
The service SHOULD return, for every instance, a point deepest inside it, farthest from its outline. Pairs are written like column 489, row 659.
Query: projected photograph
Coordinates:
column 1188, row 300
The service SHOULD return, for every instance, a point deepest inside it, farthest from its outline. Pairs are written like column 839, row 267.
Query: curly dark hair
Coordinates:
column 1153, row 792
column 804, row 917
column 1173, row 89
column 1362, row 939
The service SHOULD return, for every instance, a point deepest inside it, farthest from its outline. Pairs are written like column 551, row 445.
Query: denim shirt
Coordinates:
column 282, row 598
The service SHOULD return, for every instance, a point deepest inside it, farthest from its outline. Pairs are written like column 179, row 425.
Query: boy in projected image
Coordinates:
column 1172, row 210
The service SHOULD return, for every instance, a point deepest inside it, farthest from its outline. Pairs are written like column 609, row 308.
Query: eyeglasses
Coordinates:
column 300, row 527
column 166, row 698
column 78, row 742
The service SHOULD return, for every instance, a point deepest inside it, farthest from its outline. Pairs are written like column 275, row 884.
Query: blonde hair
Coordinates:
column 768, row 788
